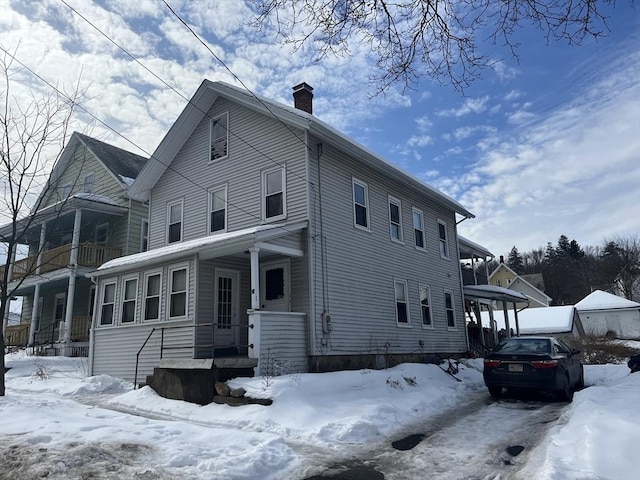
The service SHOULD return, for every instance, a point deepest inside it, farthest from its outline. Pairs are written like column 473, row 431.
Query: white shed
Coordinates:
column 601, row 312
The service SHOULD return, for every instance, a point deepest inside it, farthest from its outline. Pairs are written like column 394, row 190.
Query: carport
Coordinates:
column 490, row 295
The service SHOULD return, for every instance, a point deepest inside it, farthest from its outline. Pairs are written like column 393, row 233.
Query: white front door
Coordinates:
column 226, row 307
column 275, row 286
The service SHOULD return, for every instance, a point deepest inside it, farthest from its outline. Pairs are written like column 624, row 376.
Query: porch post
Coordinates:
column 492, row 321
column 255, row 278
column 43, row 237
column 506, row 318
column 34, row 315
column 515, row 312
column 75, row 241
column 5, row 320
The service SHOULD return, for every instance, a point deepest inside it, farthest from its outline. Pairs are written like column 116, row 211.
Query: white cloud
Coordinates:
column 470, row 105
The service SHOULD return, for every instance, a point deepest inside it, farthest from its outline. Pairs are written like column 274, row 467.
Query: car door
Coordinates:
column 571, row 361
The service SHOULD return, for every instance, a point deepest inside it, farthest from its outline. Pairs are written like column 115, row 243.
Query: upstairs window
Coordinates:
column 64, row 192
column 425, row 306
column 442, row 239
column 219, row 137
column 178, row 296
column 360, row 204
column 402, row 309
column 395, row 219
column 273, row 188
column 144, row 235
column 448, row 304
column 218, row 210
column 152, row 297
column 129, row 295
column 87, row 186
column 174, row 222
column 108, row 301
column 418, row 228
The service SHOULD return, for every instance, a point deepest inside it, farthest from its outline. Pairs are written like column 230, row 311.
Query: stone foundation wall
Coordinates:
column 332, row 363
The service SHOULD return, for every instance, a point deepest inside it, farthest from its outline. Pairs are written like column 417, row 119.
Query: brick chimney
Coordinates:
column 303, row 97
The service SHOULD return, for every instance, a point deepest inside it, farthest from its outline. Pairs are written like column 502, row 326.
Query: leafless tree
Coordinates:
column 621, row 259
column 411, row 39
column 33, row 135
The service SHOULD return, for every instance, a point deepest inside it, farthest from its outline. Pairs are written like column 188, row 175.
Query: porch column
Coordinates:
column 36, row 293
column 506, row 318
column 75, row 241
column 255, row 278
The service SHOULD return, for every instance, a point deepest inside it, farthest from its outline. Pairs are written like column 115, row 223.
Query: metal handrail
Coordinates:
column 52, row 327
column 174, row 327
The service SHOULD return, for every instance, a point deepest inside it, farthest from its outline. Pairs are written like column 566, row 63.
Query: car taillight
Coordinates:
column 491, row 363
column 544, row 363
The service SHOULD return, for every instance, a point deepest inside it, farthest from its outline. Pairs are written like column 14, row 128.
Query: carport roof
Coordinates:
column 493, row 292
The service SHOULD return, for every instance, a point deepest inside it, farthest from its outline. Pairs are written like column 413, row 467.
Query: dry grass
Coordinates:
column 598, row 350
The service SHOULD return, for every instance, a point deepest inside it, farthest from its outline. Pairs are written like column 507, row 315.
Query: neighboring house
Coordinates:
column 560, row 321
column 531, row 286
column 84, row 219
column 602, row 313
column 274, row 237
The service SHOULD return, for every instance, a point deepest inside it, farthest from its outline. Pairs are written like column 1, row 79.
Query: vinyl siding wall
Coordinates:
column 256, row 143
column 362, row 266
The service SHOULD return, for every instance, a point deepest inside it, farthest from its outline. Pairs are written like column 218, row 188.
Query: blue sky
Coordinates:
column 545, row 146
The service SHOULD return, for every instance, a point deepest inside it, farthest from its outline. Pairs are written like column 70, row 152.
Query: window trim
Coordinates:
column 168, row 220
column 426, row 326
column 211, row 125
column 123, row 299
column 453, row 310
column 210, row 194
column 366, row 206
column 170, row 291
column 415, row 210
column 144, row 237
column 397, row 281
column 397, row 202
column 443, row 242
column 144, row 296
column 283, row 192
column 113, row 303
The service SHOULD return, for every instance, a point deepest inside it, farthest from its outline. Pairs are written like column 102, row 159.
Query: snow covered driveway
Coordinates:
column 57, row 423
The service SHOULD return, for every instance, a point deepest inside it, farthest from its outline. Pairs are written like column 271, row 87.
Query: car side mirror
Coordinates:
column 575, row 351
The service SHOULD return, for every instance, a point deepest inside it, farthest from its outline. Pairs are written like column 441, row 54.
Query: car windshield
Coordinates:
column 526, row 346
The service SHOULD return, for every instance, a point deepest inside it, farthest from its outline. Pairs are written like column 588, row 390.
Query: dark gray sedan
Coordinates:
column 534, row 363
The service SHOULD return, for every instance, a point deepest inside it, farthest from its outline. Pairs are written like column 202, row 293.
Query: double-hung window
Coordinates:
column 274, row 192
column 402, row 306
column 129, row 295
column 448, row 305
column 218, row 210
column 178, row 292
column 418, row 228
column 108, row 303
column 442, row 239
column 174, row 222
column 144, row 235
column 219, row 137
column 152, row 285
column 360, row 204
column 395, row 219
column 425, row 306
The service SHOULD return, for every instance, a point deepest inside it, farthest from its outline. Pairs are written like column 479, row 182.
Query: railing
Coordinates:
column 45, row 336
column 80, row 326
column 89, row 255
column 175, row 327
column 16, row 335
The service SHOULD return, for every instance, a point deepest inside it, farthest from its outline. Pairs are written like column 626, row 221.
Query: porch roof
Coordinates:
column 493, row 292
column 208, row 247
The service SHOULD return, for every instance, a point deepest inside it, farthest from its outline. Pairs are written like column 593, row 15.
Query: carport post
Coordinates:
column 515, row 312
column 506, row 318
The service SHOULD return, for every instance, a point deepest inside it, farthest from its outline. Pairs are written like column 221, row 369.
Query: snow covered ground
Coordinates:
column 56, row 422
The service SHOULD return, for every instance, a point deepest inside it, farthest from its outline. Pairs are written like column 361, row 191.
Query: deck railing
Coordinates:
column 16, row 335
column 80, row 325
column 89, row 255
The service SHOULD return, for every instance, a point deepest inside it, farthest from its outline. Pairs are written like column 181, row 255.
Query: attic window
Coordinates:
column 219, row 137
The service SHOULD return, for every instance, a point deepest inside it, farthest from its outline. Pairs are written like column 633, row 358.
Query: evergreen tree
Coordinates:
column 514, row 261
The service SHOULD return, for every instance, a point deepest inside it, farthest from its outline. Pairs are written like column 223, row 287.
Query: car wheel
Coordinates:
column 580, row 384
column 566, row 393
column 495, row 391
